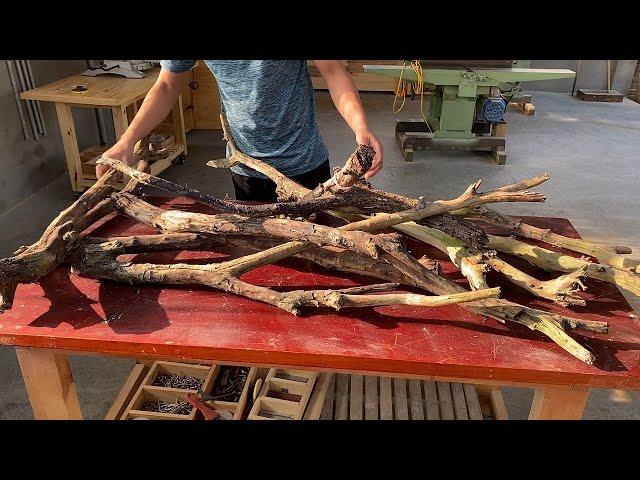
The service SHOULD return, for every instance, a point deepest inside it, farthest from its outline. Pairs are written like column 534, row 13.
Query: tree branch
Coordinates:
column 605, row 254
column 98, row 261
column 557, row 262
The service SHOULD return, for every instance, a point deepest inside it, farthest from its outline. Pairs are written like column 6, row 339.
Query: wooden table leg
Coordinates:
column 120, row 120
column 177, row 115
column 70, row 143
column 558, row 403
column 120, row 125
column 49, row 382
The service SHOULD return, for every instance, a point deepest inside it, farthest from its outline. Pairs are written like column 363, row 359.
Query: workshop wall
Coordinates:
column 27, row 166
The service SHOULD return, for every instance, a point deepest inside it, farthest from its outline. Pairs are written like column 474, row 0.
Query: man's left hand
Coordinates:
column 364, row 136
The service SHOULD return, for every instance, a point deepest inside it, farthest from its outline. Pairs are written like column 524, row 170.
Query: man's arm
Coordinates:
column 155, row 108
column 346, row 99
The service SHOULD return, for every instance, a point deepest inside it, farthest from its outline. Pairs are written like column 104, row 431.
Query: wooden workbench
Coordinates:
column 120, row 95
column 65, row 313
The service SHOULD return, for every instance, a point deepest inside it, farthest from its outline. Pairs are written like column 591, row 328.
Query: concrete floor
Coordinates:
column 591, row 150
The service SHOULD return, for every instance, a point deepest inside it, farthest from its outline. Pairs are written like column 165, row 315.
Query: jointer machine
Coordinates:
column 468, row 100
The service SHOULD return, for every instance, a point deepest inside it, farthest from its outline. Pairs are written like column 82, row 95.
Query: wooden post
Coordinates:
column 120, row 125
column 120, row 120
column 499, row 154
column 178, row 124
column 559, row 403
column 49, row 382
column 127, row 392
column 70, row 143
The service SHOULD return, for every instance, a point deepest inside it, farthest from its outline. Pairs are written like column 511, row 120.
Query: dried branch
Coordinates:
column 607, row 255
column 557, row 262
column 99, row 261
column 298, row 208
column 356, row 166
column 533, row 319
column 474, row 263
column 173, row 221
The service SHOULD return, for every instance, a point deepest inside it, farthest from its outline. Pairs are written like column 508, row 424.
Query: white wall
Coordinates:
column 26, row 166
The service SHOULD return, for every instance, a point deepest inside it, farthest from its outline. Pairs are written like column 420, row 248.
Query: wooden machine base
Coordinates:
column 523, row 103
column 414, row 135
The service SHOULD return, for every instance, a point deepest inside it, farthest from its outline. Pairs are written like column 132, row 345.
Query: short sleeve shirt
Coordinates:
column 270, row 108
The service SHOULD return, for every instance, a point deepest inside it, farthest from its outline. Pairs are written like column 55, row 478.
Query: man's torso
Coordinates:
column 269, row 105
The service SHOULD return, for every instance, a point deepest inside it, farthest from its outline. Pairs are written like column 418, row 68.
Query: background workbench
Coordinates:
column 122, row 96
column 66, row 313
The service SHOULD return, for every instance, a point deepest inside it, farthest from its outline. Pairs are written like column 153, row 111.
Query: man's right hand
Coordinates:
column 122, row 151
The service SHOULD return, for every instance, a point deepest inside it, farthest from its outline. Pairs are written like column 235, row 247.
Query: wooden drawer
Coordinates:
column 148, row 392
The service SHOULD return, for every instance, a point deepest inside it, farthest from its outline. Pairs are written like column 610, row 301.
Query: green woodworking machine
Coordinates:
column 468, row 100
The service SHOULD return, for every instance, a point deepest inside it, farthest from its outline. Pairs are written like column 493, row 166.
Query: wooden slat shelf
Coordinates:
column 358, row 397
column 90, row 156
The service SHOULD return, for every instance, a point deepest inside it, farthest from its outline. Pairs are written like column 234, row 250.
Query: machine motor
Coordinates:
column 490, row 109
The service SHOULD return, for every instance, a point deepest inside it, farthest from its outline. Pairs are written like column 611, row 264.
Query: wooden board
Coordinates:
column 131, row 385
column 206, row 99
column 315, row 407
column 103, row 90
column 599, row 95
column 68, row 312
column 365, row 82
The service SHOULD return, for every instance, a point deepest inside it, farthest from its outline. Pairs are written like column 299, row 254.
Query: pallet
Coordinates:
column 599, row 95
column 414, row 135
column 284, row 395
column 363, row 397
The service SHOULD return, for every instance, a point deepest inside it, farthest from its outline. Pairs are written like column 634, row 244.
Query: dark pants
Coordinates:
column 264, row 189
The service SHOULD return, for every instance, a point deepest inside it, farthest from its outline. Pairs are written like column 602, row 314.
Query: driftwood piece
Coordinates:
column 298, row 208
column 557, row 262
column 550, row 325
column 97, row 260
column 34, row 261
column 474, row 263
column 29, row 263
column 331, row 258
column 175, row 221
column 355, row 167
column 606, row 254
column 372, row 200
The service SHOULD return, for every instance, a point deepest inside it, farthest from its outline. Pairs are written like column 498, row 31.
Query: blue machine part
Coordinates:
column 492, row 109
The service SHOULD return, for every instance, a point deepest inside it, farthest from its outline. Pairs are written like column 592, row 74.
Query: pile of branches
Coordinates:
column 285, row 229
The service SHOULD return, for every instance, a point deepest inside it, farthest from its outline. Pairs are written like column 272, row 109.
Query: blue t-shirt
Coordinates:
column 269, row 105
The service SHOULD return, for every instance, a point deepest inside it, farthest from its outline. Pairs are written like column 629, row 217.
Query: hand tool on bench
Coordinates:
column 208, row 412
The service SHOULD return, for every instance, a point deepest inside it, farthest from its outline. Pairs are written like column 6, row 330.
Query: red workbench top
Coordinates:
column 67, row 312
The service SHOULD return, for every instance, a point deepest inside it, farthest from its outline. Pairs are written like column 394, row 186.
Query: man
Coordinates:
column 269, row 105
